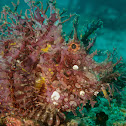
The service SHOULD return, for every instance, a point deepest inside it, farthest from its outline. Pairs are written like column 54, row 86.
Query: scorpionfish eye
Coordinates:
column 73, row 46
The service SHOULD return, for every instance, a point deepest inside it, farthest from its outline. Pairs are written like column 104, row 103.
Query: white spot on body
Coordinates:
column 95, row 93
column 18, row 61
column 84, row 68
column 82, row 93
column 55, row 96
column 55, row 103
column 75, row 67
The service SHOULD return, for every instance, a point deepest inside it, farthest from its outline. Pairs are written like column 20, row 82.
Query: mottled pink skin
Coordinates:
column 5, row 100
column 4, row 93
column 36, row 50
column 69, row 82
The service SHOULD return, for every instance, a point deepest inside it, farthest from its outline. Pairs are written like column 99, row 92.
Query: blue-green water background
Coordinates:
column 112, row 35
